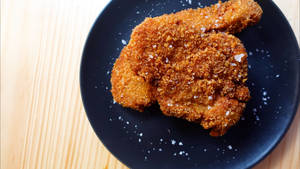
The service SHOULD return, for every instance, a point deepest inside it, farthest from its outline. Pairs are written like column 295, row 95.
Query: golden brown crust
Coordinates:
column 129, row 89
column 190, row 64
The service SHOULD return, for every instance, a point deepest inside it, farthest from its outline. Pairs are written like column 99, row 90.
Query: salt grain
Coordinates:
column 195, row 97
column 140, row 140
column 173, row 142
column 233, row 64
column 208, row 107
column 154, row 46
column 124, row 42
column 277, row 76
column 150, row 56
column 170, row 46
column 141, row 134
column 210, row 97
column 229, row 147
column 204, row 150
column 167, row 60
column 180, row 143
column 203, row 29
column 239, row 57
column 160, row 149
column 227, row 113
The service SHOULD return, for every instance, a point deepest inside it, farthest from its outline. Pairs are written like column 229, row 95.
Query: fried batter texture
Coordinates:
column 190, row 64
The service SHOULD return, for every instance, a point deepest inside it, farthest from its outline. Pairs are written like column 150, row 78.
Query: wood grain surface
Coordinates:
column 43, row 123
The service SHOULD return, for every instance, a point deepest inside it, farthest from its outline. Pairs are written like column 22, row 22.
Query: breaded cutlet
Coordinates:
column 190, row 64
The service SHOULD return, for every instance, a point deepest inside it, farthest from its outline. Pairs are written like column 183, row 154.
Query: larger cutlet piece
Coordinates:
column 190, row 64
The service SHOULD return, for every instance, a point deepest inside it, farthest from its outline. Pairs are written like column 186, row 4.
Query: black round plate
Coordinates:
column 151, row 140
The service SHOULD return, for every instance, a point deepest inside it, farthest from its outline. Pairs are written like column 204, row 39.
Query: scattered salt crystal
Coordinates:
column 154, row 46
column 217, row 21
column 141, row 134
column 204, row 150
column 170, row 104
column 95, row 87
column 239, row 57
column 277, row 76
column 107, row 72
column 265, row 93
column 254, row 110
column 218, row 5
column 140, row 140
column 110, row 119
column 257, row 50
column 167, row 60
column 174, row 154
column 180, row 143
column 160, row 149
column 119, row 117
column 190, row 2
column 229, row 147
column 161, row 140
column 210, row 97
column 279, row 107
column 216, row 25
column 124, row 42
column 250, row 53
column 135, row 126
column 173, row 142
column 227, row 113
column 233, row 64
column 146, row 157
column 185, row 45
column 239, row 76
column 206, row 17
column 195, row 97
column 203, row 29
column 170, row 46
column 264, row 99
column 151, row 56
column 127, row 122
column 208, row 107
column 257, row 118
column 137, row 12
column 148, row 151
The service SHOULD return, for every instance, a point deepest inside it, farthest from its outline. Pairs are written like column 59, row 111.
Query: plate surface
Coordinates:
column 151, row 140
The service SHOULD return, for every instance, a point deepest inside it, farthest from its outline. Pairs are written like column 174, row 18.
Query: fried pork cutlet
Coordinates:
column 190, row 64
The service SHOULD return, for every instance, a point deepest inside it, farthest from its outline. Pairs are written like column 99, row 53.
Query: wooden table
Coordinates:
column 43, row 123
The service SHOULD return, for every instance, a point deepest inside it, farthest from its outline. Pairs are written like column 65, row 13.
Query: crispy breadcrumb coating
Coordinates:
column 190, row 64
